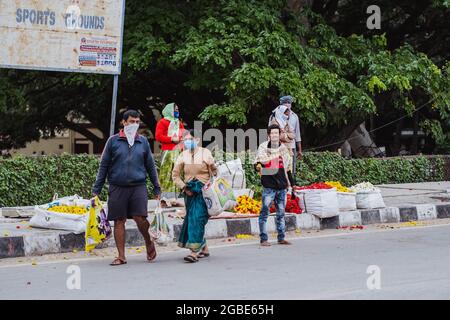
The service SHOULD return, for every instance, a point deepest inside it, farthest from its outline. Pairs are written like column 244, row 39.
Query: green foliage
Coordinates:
column 28, row 181
column 227, row 62
column 317, row 167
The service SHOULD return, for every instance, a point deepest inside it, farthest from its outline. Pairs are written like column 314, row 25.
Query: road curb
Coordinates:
column 62, row 241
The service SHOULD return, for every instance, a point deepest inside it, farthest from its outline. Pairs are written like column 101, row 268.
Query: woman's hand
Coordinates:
column 188, row 192
column 175, row 139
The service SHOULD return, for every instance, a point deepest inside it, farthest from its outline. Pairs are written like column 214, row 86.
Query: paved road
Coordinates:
column 414, row 263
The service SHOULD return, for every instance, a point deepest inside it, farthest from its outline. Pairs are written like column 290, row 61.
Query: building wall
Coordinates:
column 62, row 143
column 70, row 142
column 67, row 142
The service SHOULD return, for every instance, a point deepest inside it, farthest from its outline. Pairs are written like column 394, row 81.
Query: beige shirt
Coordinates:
column 193, row 165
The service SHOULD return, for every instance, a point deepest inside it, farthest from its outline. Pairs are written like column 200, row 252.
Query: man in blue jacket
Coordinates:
column 125, row 162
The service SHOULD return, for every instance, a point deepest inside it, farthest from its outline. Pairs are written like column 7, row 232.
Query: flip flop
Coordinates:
column 203, row 255
column 190, row 259
column 118, row 262
column 152, row 255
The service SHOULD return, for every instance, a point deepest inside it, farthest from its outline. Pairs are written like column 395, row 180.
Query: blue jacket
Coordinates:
column 125, row 166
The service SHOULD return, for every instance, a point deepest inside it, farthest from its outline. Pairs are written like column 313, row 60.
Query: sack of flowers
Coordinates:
column 346, row 198
column 368, row 196
column 68, row 213
column 319, row 199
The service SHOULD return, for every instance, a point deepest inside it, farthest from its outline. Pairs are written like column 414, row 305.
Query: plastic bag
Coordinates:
column 76, row 223
column 98, row 228
column 322, row 203
column 369, row 200
column 159, row 229
column 233, row 172
column 347, row 201
column 218, row 196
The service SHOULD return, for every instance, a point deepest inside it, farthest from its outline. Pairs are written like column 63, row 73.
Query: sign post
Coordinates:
column 65, row 35
column 114, row 106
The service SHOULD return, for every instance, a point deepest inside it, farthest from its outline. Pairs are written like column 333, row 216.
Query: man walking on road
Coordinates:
column 272, row 162
column 125, row 162
column 294, row 123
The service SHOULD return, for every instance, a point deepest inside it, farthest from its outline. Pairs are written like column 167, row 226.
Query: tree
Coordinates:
column 227, row 62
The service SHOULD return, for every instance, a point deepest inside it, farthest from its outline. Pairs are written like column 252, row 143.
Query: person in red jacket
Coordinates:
column 168, row 132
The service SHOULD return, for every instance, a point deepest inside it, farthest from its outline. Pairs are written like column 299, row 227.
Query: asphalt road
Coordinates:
column 413, row 264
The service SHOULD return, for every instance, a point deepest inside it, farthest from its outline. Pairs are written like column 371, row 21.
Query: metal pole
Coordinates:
column 114, row 105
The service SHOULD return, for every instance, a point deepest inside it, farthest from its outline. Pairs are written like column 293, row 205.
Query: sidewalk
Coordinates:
column 405, row 202
column 415, row 193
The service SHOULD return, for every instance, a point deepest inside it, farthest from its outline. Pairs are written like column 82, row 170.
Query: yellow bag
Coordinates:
column 98, row 228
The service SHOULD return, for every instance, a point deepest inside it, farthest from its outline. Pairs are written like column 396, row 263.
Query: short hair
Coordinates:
column 131, row 113
column 273, row 126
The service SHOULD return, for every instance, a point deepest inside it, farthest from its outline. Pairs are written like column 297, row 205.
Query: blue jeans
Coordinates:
column 268, row 196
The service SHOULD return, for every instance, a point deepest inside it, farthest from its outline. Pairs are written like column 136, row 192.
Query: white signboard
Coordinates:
column 62, row 35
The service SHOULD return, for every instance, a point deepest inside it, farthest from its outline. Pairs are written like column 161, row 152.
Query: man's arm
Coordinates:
column 105, row 162
column 151, row 170
column 290, row 178
column 299, row 150
column 298, row 139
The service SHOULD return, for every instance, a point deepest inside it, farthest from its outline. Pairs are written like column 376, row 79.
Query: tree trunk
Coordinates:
column 397, row 140
column 298, row 5
column 415, row 137
column 335, row 137
column 362, row 143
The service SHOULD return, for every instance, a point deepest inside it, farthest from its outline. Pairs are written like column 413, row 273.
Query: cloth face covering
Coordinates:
column 130, row 132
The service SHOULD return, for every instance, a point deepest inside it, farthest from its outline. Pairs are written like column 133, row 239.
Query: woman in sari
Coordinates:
column 168, row 132
column 196, row 165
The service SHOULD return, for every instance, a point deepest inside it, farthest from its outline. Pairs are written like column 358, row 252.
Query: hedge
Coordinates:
column 33, row 180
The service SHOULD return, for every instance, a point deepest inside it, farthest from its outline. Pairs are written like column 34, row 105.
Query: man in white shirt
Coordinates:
column 294, row 123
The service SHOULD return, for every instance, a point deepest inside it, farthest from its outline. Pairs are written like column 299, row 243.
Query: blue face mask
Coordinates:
column 176, row 114
column 190, row 144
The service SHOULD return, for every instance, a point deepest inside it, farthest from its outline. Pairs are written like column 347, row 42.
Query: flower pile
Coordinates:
column 292, row 205
column 245, row 204
column 363, row 187
column 318, row 185
column 339, row 187
column 68, row 209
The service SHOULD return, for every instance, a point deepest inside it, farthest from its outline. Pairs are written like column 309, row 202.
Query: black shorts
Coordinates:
column 127, row 202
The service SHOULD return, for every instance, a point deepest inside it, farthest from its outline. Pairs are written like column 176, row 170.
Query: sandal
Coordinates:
column 203, row 255
column 118, row 262
column 152, row 255
column 190, row 259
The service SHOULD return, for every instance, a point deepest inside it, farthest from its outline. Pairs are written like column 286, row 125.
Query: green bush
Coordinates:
column 29, row 180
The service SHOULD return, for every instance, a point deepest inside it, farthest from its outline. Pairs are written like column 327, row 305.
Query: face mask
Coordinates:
column 190, row 144
column 176, row 114
column 130, row 131
column 285, row 117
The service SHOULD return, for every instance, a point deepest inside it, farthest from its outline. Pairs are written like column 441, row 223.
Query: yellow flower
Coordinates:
column 339, row 187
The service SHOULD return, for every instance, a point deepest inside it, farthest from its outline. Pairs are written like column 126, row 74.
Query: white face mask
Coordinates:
column 130, row 131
